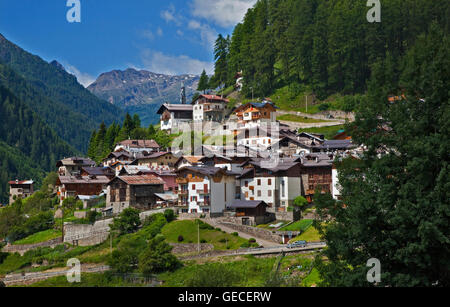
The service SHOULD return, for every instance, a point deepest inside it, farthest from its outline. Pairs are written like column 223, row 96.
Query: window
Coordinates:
column 259, row 181
column 246, row 184
column 193, row 187
column 269, row 182
column 269, row 193
column 259, row 193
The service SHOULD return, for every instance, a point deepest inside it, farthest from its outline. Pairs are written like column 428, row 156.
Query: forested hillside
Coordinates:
column 321, row 47
column 50, row 89
column 31, row 145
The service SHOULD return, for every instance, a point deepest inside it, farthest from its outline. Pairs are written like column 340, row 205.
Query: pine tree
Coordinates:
column 395, row 206
column 203, row 82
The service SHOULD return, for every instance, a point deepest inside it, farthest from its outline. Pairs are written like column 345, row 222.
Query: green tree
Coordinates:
column 125, row 258
column 395, row 206
column 127, row 222
column 203, row 82
column 157, row 257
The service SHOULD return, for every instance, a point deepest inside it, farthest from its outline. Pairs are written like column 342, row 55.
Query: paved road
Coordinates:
column 244, row 235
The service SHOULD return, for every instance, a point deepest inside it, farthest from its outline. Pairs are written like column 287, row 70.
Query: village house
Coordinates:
column 209, row 108
column 163, row 172
column 277, row 185
column 98, row 171
column 335, row 146
column 20, row 189
column 133, row 192
column 122, row 156
column 173, row 116
column 73, row 166
column 316, row 173
column 232, row 163
column 253, row 114
column 166, row 200
column 72, row 186
column 156, row 160
column 205, row 189
column 188, row 161
column 250, row 213
column 138, row 146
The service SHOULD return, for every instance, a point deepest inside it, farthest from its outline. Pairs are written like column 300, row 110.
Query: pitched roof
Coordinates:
column 140, row 144
column 75, row 161
column 206, row 170
column 152, row 155
column 83, row 179
column 21, row 182
column 250, row 204
column 336, row 144
column 98, row 171
column 141, row 180
column 212, row 97
column 175, row 108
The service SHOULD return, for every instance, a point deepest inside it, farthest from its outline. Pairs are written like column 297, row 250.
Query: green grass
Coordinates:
column 312, row 279
column 300, row 119
column 189, row 231
column 328, row 132
column 310, row 235
column 247, row 271
column 87, row 280
column 39, row 237
column 302, row 226
column 266, row 226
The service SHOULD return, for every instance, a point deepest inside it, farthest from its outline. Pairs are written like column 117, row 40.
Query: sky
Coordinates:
column 170, row 37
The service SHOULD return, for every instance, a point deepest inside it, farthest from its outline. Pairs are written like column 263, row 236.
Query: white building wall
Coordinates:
column 336, row 186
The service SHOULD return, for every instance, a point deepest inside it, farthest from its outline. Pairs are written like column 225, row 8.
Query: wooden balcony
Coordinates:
column 182, row 181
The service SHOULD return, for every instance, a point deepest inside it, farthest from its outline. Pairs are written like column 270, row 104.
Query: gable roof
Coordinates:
column 21, row 182
column 141, row 180
column 206, row 170
column 75, row 161
column 139, row 144
column 247, row 204
column 211, row 97
column 175, row 108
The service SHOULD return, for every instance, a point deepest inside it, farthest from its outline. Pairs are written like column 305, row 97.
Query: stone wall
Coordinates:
column 253, row 231
column 22, row 249
column 87, row 235
column 182, row 248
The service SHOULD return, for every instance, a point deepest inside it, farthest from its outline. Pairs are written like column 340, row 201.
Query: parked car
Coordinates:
column 297, row 244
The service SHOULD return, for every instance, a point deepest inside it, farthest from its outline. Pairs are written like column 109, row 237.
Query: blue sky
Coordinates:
column 171, row 37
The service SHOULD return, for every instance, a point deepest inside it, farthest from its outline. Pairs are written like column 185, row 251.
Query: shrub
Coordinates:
column 127, row 222
column 180, row 238
column 235, row 234
column 92, row 216
column 157, row 257
column 324, row 107
column 203, row 241
column 245, row 245
column 223, row 240
column 169, row 215
column 252, row 240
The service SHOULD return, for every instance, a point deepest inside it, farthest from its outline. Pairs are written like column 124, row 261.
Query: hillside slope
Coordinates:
column 49, row 84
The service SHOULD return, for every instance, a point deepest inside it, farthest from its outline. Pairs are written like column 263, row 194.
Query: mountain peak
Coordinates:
column 57, row 65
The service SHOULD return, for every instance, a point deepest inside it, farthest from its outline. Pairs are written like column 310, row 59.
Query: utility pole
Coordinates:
column 198, row 237
column 62, row 226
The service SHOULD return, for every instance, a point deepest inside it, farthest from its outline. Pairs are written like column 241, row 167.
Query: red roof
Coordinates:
column 213, row 97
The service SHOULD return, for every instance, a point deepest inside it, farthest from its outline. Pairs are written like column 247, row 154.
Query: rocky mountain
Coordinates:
column 142, row 92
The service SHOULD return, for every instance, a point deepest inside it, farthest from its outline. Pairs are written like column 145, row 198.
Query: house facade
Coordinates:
column 20, row 189
column 156, row 160
column 277, row 186
column 133, row 192
column 254, row 114
column 173, row 116
column 209, row 108
column 73, row 166
column 138, row 146
column 72, row 186
column 205, row 189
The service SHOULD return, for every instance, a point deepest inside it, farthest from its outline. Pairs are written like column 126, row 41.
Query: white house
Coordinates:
column 209, row 108
column 205, row 189
column 173, row 116
column 277, row 186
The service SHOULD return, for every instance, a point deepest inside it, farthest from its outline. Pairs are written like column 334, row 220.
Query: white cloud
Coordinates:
column 159, row 62
column 159, row 32
column 83, row 78
column 207, row 34
column 148, row 35
column 225, row 13
column 169, row 15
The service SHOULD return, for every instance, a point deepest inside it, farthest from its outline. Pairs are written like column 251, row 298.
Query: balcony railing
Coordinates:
column 182, row 181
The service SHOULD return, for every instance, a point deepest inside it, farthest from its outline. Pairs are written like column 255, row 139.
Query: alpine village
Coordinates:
column 319, row 142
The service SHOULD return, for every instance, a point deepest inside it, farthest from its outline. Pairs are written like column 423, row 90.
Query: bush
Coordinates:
column 92, row 216
column 42, row 221
column 223, row 240
column 125, row 258
column 203, row 241
column 180, row 238
column 252, row 240
column 127, row 222
column 235, row 234
column 169, row 215
column 245, row 245
column 157, row 257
